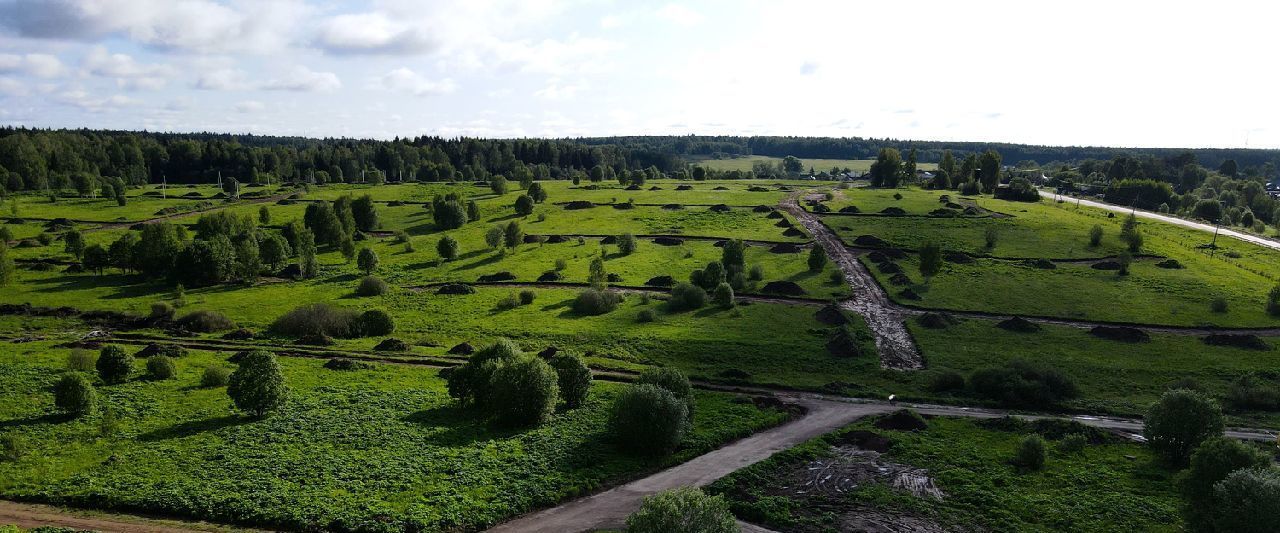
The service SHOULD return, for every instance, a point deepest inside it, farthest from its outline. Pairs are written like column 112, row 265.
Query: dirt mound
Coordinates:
column 866, row 440
column 959, row 258
column 1120, row 333
column 850, row 209
column 1170, row 264
column 720, row 188
column 668, row 241
column 720, row 243
column 242, row 334
column 624, row 205
column 944, row 212
column 902, row 420
column 655, row 188
column 673, row 207
column 973, row 211
column 785, row 248
column 889, row 267
column 936, row 320
column 757, row 188
column 609, row 240
column 773, row 214
column 462, row 349
column 315, row 340
column 550, row 276
column 1105, row 265
column 899, row 279
column 532, row 239
column 74, row 268
column 1247, row 341
column 831, row 315
column 556, row 239
column 346, row 364
column 167, row 350
column 292, row 271
column 456, row 288
column 869, row 240
column 877, row 257
column 893, row 211
column 953, row 205
column 684, row 187
column 660, row 281
column 391, row 344
column 844, row 342
column 761, row 209
column 784, row 223
column 497, row 276
column 789, row 288
column 633, row 187
column 908, row 294
column 1043, row 264
column 1018, row 324
column 720, row 208
column 613, row 277
column 792, row 232
column 549, row 352
column 579, row 204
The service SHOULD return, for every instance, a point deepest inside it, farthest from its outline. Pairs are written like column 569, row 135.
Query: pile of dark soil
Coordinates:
column 613, row 278
column 167, row 350
column 633, row 187
column 944, row 198
column 660, row 281
column 902, row 420
column 292, row 271
column 863, row 439
column 720, row 188
column 1105, row 265
column 73, row 268
column 843, row 342
column 673, row 207
column 783, row 223
column 395, row 203
column 684, row 187
column 973, row 211
column 285, row 201
column 192, row 194
column 456, row 288
column 792, row 232
column 609, row 240
column 531, row 239
column 1247, row 341
column 943, row 212
column 761, row 209
column 579, row 204
column 719, row 243
column 668, row 241
column 893, row 211
column 908, row 294
column 315, row 340
column 739, row 375
column 624, row 206
column 785, row 248
column 936, row 320
column 851, row 209
column 889, row 267
column 720, row 208
column 556, row 239
column 346, row 364
column 959, row 258
column 1120, row 333
column 497, row 276
column 1043, row 264
column 550, row 276
column 391, row 344
column 953, row 205
column 899, row 279
column 462, row 349
column 870, row 240
column 1170, row 264
column 831, row 315
column 788, row 288
column 773, row 214
column 242, row 334
column 877, row 257
column 757, row 188
column 1018, row 324
column 655, row 188
column 549, row 352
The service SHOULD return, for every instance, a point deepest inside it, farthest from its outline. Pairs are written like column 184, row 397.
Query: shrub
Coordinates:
column 161, row 367
column 1073, row 443
column 945, row 381
column 205, row 322
column 756, row 273
column 469, row 383
column 509, row 301
column 257, row 387
column 1248, row 501
column 371, row 286
column 626, row 244
column 671, row 380
column 376, row 323
column 1022, row 384
column 817, row 258
column 561, row 264
column 161, row 311
column 214, row 376
column 447, row 247
column 12, row 447
column 1030, row 453
column 1095, row 235
column 647, row 419
column 1213, row 460
column 1273, row 301
column 686, row 510
column 594, row 301
column 723, row 295
column 317, row 319
column 574, row 379
column 81, row 360
column 1218, row 305
column 991, row 236
column 1251, row 392
column 645, row 315
column 687, row 296
column 527, row 297
column 367, row 261
column 114, row 365
column 74, row 395
column 1178, row 422
column 524, row 392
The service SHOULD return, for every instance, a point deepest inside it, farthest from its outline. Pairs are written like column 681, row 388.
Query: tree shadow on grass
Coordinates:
column 193, row 427
column 563, row 304
column 458, row 425
column 50, row 418
column 121, row 285
column 494, row 258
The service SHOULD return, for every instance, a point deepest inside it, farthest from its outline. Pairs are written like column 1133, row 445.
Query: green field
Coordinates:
column 745, row 163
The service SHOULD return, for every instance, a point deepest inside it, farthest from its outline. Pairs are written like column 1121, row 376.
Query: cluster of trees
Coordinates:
column 518, row 389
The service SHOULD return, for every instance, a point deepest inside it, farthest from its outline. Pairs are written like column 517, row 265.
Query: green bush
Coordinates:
column 682, row 510
column 1248, row 501
column 1213, row 460
column 574, row 379
column 161, row 367
column 12, row 447
column 1273, row 301
column 205, row 322
column 527, row 297
column 1178, row 422
column 114, row 365
column 469, row 383
column 594, row 301
column 524, row 392
column 645, row 315
column 376, row 323
column 1252, row 392
column 1072, row 444
column 723, row 295
column 647, row 419
column 509, row 301
column 214, row 376
column 1023, row 384
column 672, row 381
column 82, row 360
column 1218, row 305
column 945, row 381
column 257, row 387
column 626, row 244
column 161, row 311
column 74, row 395
column 686, row 296
column 318, row 319
column 1030, row 453
column 1095, row 235
column 371, row 286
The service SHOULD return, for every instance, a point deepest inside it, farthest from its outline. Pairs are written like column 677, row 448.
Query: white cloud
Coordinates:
column 679, row 14
column 224, row 79
column 93, row 103
column 12, row 87
column 371, row 33
column 250, row 106
column 128, row 72
column 38, row 65
column 405, row 80
column 609, row 22
column 556, row 90
column 303, row 79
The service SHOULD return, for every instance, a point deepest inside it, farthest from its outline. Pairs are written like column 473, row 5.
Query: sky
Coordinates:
column 1102, row 73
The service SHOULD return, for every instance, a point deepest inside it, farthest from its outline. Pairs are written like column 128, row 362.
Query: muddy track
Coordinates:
column 749, row 242
column 625, row 289
column 897, row 348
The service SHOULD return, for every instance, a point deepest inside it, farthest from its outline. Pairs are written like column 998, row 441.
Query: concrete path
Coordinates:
column 1169, row 219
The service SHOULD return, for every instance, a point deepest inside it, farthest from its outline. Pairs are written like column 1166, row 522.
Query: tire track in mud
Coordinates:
column 887, row 321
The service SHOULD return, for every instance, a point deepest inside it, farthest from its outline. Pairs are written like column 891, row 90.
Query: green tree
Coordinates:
column 365, row 213
column 525, row 392
column 74, row 243
column 537, row 192
column 647, row 419
column 948, row 163
column 989, row 170
column 626, row 244
column 1248, row 501
column 1095, row 235
column 274, row 251
column 596, row 274
column 1176, row 424
column 74, row 395
column 684, row 510
column 264, row 216
column 673, row 381
column 723, row 295
column 498, row 184
column 930, row 260
column 114, row 365
column 447, row 247
column 308, row 265
column 8, row 269
column 367, row 261
column 1030, row 454
column 493, row 237
column 734, row 256
column 524, row 205
column 1273, row 301
column 96, row 259
column 887, row 169
column 512, row 234
column 573, row 378
column 792, row 165
column 473, row 210
column 257, row 387
column 1213, row 460
column 1229, row 168
column 817, row 258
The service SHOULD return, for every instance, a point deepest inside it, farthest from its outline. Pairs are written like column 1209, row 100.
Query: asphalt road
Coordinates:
column 1255, row 239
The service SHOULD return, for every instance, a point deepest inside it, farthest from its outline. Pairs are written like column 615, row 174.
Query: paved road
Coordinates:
column 1255, row 239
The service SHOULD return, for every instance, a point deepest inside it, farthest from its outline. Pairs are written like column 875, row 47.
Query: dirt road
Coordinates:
column 29, row 516
column 1254, row 239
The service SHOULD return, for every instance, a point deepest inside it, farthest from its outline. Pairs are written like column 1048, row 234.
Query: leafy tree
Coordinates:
column 710, row 277
column 1213, row 460
column 346, row 217
column 673, row 381
column 1209, row 210
column 594, row 301
column 525, row 392
column 723, row 295
column 948, row 164
column 498, row 184
column 1124, row 258
column 74, row 243
column 96, row 258
column 307, row 263
column 596, row 274
column 160, row 367
column 264, row 216
column 493, row 237
column 537, row 192
column 376, row 323
column 257, row 387
column 323, row 223
column 573, row 378
column 248, row 264
column 448, row 213
column 687, row 296
column 1248, row 501
column 114, row 365
column 930, row 260
column 1030, row 454
column 989, row 170
column 8, row 269
column 367, row 261
column 512, row 234
column 1182, row 419
column 447, row 247
column 371, row 286
column 347, row 246
column 1273, row 301
column 470, row 382
column 941, row 180
column 473, row 210
column 817, row 258
column 647, row 419
column 365, row 213
column 887, row 169
column 274, row 251
column 991, row 236
column 686, row 510
column 524, row 205
column 792, row 165
column 1095, row 235
column 1229, row 168
column 734, row 255
column 626, row 244
column 74, row 395
column 206, row 262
